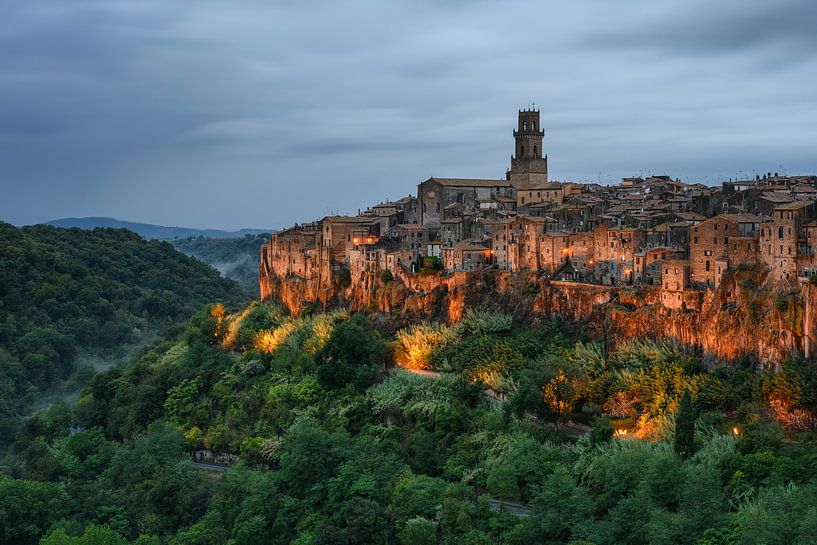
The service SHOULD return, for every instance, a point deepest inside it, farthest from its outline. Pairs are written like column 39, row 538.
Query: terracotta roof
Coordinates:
column 777, row 197
column 412, row 227
column 744, row 218
column 469, row 182
column 796, row 205
column 349, row 219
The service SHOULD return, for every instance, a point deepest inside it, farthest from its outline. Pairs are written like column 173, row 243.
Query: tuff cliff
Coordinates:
column 746, row 316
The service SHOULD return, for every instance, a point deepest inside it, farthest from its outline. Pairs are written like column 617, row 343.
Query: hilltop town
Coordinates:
column 654, row 231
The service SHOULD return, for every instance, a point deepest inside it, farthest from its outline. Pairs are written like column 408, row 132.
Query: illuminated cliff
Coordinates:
column 744, row 317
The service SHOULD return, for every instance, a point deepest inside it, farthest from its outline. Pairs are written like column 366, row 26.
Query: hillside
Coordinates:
column 234, row 258
column 148, row 230
column 335, row 444
column 68, row 295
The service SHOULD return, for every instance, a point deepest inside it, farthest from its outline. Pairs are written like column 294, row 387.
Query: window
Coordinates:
column 707, row 266
column 779, row 232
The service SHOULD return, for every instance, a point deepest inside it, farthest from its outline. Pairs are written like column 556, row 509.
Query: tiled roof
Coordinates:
column 469, row 182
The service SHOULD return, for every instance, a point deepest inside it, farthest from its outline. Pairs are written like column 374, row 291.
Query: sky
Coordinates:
column 263, row 113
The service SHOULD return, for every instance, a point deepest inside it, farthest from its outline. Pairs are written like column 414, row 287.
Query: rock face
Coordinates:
column 744, row 317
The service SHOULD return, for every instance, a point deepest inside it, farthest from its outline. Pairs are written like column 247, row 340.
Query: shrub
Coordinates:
column 386, row 277
column 417, row 343
column 353, row 355
column 431, row 264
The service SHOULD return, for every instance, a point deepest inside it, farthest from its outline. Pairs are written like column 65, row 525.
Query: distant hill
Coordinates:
column 151, row 231
column 71, row 294
column 235, row 258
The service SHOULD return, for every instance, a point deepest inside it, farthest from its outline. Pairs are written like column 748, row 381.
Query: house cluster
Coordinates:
column 645, row 231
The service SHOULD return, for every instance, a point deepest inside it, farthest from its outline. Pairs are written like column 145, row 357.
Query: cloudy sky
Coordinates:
column 259, row 114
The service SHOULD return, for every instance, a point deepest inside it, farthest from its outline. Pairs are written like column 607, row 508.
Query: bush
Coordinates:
column 431, row 264
column 386, row 277
column 419, row 531
column 353, row 355
column 417, row 343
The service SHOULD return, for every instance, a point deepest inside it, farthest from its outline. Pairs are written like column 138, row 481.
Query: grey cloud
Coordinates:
column 704, row 28
column 260, row 114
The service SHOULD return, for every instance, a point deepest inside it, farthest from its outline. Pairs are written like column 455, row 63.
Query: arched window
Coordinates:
column 524, row 125
column 522, row 154
column 534, row 151
column 533, row 124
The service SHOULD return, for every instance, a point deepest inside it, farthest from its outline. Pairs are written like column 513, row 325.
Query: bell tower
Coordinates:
column 529, row 167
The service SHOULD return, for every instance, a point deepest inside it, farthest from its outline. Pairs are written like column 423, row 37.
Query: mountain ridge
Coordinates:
column 149, row 230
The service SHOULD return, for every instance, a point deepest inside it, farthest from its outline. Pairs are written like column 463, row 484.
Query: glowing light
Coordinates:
column 621, row 432
column 736, row 432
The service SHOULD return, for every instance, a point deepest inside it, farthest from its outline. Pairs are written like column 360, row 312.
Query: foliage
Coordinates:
column 336, row 447
column 417, row 343
column 235, row 258
column 69, row 292
column 352, row 355
column 684, row 441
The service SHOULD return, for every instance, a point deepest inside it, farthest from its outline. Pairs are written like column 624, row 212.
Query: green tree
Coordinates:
column 28, row 509
column 353, row 355
column 418, row 531
column 93, row 535
column 684, row 442
column 601, row 432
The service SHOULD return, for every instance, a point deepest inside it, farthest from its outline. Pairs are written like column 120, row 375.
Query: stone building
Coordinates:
column 614, row 251
column 523, row 245
column 674, row 280
column 780, row 240
column 339, row 235
column 648, row 264
column 435, row 194
column 465, row 256
column 292, row 251
column 726, row 240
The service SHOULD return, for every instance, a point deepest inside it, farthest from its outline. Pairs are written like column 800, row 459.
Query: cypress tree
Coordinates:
column 685, row 427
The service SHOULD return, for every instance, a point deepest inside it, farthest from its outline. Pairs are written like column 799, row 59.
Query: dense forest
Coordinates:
column 235, row 258
column 71, row 299
column 347, row 431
